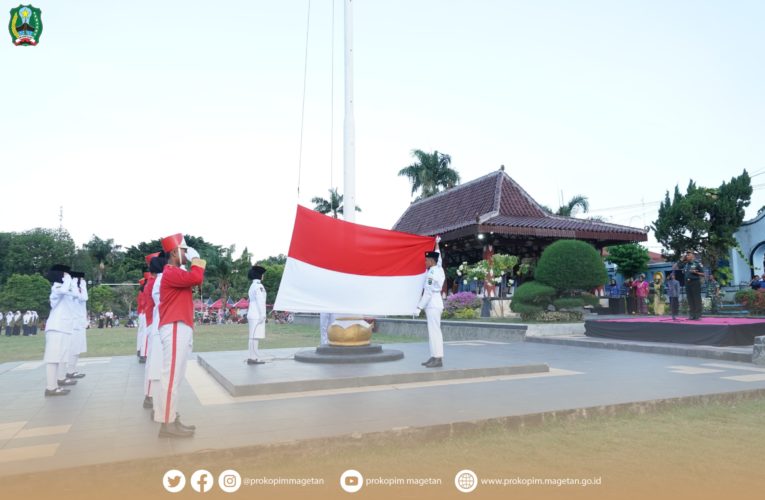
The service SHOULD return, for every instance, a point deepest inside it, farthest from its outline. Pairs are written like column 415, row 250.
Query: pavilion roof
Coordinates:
column 495, row 202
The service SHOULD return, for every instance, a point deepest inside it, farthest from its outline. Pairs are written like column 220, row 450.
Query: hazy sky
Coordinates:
column 144, row 118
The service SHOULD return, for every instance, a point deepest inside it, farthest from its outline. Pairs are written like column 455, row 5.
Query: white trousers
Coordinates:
column 254, row 352
column 325, row 321
column 57, row 345
column 153, row 371
column 177, row 341
column 435, row 337
column 141, row 334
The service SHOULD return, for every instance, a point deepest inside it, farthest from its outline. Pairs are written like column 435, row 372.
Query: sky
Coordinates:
column 141, row 119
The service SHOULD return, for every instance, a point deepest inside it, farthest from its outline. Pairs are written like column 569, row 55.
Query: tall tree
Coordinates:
column 26, row 292
column 572, row 207
column 221, row 271
column 333, row 205
column 101, row 251
column 430, row 173
column 630, row 258
column 703, row 219
column 34, row 251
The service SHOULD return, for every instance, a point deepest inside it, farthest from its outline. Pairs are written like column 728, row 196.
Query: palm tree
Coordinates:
column 222, row 270
column 573, row 206
column 430, row 173
column 334, row 205
column 100, row 250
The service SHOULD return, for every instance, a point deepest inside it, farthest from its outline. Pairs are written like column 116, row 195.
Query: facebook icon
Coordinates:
column 201, row 481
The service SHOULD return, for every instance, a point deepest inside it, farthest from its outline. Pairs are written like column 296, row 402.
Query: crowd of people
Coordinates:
column 632, row 297
column 20, row 324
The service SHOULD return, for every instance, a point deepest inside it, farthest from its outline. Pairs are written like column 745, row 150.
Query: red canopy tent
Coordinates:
column 242, row 304
column 217, row 304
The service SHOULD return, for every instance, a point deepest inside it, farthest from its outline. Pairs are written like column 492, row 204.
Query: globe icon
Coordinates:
column 466, row 481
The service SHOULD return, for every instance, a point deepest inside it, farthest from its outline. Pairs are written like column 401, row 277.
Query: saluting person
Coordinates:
column 79, row 338
column 256, row 314
column 154, row 356
column 176, row 330
column 58, row 330
column 433, row 304
column 148, row 308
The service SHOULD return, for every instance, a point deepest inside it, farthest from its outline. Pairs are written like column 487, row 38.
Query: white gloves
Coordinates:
column 416, row 313
column 191, row 254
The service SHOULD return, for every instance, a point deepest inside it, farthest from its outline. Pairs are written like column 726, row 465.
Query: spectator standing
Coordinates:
column 641, row 294
column 673, row 292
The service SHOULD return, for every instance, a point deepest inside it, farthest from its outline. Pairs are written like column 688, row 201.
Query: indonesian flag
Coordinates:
column 341, row 267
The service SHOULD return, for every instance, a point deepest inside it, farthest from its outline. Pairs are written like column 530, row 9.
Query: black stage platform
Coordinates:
column 707, row 331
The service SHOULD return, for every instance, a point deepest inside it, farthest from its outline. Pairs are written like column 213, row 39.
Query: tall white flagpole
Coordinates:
column 349, row 125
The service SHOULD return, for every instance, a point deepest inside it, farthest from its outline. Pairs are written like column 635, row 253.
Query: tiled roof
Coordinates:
column 495, row 201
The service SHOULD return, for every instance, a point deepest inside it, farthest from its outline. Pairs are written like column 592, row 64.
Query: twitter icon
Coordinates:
column 174, row 481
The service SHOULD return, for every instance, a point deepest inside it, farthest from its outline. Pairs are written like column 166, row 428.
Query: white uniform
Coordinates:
column 9, row 323
column 325, row 321
column 79, row 339
column 25, row 322
column 256, row 317
column 59, row 329
column 141, row 334
column 433, row 305
column 153, row 388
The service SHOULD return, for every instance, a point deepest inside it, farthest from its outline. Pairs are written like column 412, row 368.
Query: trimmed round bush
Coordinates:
column 568, row 303
column 527, row 311
column 534, row 293
column 590, row 300
column 569, row 265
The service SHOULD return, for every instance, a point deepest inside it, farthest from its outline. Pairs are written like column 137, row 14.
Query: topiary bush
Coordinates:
column 568, row 303
column 571, row 265
column 534, row 293
column 590, row 299
column 532, row 298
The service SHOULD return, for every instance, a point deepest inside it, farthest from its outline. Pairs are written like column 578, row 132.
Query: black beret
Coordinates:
column 256, row 272
column 157, row 264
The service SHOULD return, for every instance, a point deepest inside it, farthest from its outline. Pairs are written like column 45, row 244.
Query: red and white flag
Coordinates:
column 341, row 267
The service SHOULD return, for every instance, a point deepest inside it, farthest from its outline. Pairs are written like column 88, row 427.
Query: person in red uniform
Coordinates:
column 176, row 320
column 148, row 307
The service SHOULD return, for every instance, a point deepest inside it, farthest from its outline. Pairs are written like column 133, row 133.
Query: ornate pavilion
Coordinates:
column 493, row 214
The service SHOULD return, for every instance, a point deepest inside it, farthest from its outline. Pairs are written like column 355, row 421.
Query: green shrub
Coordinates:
column 534, row 293
column 558, row 316
column 465, row 313
column 522, row 309
column 753, row 300
column 570, row 265
column 590, row 299
column 568, row 303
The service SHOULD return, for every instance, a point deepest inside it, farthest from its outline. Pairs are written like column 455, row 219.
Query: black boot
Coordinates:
column 66, row 381
column 180, row 424
column 172, row 430
column 58, row 391
column 75, row 375
column 436, row 363
column 430, row 360
column 148, row 402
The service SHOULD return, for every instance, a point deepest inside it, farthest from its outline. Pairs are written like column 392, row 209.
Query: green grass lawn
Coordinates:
column 121, row 341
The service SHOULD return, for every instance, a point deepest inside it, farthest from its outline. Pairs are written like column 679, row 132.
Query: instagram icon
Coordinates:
column 229, row 481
